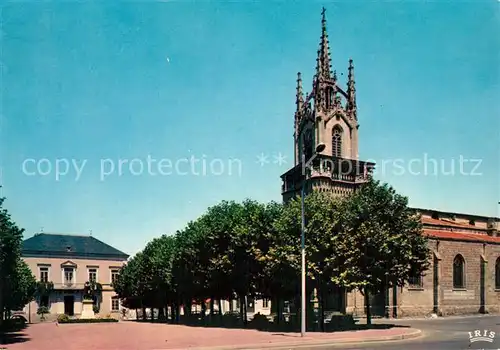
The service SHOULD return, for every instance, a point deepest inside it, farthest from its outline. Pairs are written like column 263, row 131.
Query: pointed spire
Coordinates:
column 300, row 96
column 324, row 61
column 351, row 89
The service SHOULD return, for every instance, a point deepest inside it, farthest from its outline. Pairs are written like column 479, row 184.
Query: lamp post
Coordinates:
column 319, row 148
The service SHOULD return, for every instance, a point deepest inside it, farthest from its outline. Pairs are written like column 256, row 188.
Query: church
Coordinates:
column 464, row 274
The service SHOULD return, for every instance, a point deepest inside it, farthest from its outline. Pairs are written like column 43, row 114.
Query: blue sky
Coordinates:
column 98, row 83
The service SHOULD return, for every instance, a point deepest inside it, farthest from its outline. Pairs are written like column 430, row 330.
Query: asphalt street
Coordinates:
column 441, row 333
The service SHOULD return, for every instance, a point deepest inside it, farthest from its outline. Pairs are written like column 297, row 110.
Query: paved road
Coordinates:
column 442, row 334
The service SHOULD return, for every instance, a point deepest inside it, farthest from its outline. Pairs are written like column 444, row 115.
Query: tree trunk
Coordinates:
column 166, row 312
column 219, row 306
column 161, row 314
column 279, row 310
column 245, row 319
column 172, row 313
column 144, row 316
column 203, row 310
column 242, row 301
column 177, row 313
column 187, row 308
column 1, row 302
column 275, row 303
column 212, row 308
column 368, row 308
column 321, row 297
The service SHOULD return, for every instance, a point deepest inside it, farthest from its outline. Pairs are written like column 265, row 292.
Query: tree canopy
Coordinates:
column 17, row 283
column 368, row 241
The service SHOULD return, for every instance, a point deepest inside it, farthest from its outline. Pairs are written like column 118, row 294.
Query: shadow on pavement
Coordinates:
column 12, row 332
column 338, row 323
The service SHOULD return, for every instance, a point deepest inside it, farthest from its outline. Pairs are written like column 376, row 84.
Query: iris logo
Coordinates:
column 481, row 336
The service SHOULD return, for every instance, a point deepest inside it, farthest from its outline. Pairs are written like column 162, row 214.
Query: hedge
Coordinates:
column 89, row 320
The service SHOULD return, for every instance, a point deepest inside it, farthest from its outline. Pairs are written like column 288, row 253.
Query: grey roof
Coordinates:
column 69, row 246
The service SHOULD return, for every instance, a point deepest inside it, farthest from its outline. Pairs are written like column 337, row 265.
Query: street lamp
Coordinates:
column 319, row 148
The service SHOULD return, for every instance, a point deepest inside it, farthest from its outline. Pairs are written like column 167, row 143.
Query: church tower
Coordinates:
column 327, row 117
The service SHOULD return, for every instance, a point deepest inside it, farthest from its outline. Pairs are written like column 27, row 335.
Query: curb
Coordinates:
column 415, row 333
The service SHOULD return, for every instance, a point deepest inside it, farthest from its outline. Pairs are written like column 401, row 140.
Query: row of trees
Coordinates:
column 17, row 283
column 368, row 241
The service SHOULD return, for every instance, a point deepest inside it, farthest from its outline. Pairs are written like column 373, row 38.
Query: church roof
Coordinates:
column 461, row 236
column 69, row 246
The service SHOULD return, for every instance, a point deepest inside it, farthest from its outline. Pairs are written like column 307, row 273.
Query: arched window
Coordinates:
column 497, row 274
column 337, row 142
column 307, row 142
column 459, row 272
column 329, row 95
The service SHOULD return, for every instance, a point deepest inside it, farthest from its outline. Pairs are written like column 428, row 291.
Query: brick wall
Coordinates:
column 493, row 294
column 411, row 302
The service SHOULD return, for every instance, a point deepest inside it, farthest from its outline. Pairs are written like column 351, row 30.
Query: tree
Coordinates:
column 324, row 253
column 382, row 241
column 23, row 286
column 158, row 257
column 129, row 284
column 10, row 252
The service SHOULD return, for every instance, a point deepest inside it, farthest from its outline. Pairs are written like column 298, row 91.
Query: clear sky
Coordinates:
column 91, row 84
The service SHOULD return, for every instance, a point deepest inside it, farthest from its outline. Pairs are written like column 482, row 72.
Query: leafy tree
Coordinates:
column 42, row 311
column 130, row 283
column 23, row 287
column 382, row 241
column 43, row 288
column 368, row 241
column 217, row 230
column 324, row 253
column 92, row 290
column 187, row 272
column 158, row 257
column 10, row 252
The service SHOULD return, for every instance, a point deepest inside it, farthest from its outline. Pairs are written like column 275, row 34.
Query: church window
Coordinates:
column 329, row 97
column 459, row 272
column 337, row 142
column 497, row 274
column 308, row 145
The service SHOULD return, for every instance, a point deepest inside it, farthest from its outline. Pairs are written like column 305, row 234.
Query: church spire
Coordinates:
column 351, row 89
column 300, row 96
column 323, row 61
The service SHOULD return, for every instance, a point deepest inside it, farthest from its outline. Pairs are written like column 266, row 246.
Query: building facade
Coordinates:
column 69, row 261
column 464, row 276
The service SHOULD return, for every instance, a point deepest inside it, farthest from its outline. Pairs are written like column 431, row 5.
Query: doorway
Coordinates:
column 69, row 305
column 378, row 303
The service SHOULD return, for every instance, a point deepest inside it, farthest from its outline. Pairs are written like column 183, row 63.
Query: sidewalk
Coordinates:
column 294, row 341
column 154, row 336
